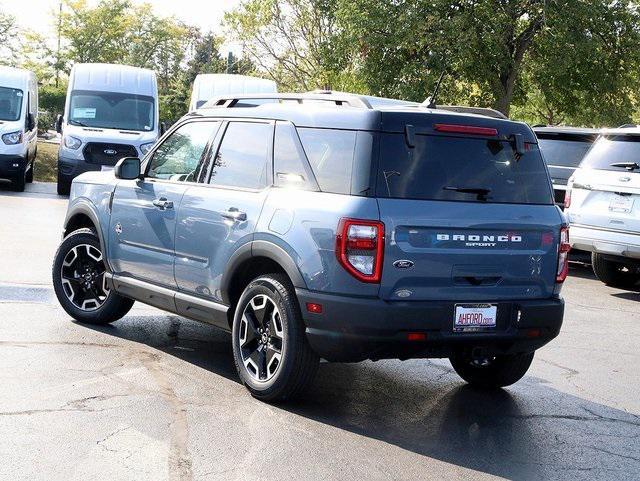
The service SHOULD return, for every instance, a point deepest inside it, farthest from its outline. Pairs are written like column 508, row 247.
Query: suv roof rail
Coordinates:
column 464, row 109
column 351, row 100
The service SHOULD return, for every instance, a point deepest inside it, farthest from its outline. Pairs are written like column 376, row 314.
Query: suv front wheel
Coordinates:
column 79, row 283
column 270, row 349
column 492, row 372
column 614, row 274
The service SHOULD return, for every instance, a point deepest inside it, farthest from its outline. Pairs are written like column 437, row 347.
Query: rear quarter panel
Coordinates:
column 304, row 224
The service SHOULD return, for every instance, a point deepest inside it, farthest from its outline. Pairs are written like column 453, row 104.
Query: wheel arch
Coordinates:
column 81, row 215
column 252, row 260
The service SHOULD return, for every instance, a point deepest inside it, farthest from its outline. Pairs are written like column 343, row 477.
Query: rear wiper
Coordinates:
column 626, row 165
column 481, row 193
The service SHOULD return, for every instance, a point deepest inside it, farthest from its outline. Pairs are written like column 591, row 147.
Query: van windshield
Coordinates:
column 10, row 103
column 462, row 169
column 111, row 110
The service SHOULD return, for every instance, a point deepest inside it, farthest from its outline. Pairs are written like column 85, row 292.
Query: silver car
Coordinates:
column 603, row 207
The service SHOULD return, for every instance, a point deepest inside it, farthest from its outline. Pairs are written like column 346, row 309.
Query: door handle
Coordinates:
column 163, row 204
column 234, row 214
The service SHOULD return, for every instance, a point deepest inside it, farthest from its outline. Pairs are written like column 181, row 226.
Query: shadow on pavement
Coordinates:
column 528, row 431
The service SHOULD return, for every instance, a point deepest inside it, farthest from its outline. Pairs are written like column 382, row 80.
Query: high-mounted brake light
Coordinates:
column 360, row 248
column 563, row 255
column 466, row 129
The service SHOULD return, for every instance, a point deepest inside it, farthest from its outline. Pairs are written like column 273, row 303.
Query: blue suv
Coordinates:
column 329, row 226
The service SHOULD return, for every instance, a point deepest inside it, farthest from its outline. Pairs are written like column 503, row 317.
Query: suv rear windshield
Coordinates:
column 461, row 169
column 613, row 149
column 564, row 151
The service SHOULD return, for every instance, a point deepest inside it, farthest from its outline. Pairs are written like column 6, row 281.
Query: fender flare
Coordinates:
column 265, row 249
column 83, row 207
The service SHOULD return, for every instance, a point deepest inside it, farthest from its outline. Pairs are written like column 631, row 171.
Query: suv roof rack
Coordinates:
column 351, row 100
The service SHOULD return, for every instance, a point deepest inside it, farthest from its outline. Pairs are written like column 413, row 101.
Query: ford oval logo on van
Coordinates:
column 403, row 264
column 110, row 151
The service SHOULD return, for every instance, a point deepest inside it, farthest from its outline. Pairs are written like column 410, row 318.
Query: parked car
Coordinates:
column 603, row 207
column 18, row 125
column 317, row 226
column 214, row 85
column 563, row 148
column 111, row 111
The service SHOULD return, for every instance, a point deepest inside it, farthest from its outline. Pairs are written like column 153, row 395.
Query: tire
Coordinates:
column 611, row 272
column 19, row 181
column 29, row 176
column 499, row 371
column 269, row 377
column 63, row 187
column 99, row 305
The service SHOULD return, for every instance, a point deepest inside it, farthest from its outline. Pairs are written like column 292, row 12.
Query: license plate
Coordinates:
column 106, row 168
column 621, row 203
column 474, row 317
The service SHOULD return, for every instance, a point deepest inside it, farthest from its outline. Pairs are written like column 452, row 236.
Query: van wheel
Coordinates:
column 29, row 176
column 494, row 372
column 614, row 274
column 79, row 283
column 63, row 187
column 19, row 181
column 270, row 349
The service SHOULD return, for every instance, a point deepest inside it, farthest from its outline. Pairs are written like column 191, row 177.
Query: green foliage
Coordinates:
column 52, row 98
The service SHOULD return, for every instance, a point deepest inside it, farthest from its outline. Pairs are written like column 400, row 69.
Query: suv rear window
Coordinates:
column 564, row 151
column 613, row 149
column 461, row 169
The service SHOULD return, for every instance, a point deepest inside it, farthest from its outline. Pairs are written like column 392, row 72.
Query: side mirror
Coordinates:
column 163, row 127
column 31, row 122
column 58, row 124
column 128, row 168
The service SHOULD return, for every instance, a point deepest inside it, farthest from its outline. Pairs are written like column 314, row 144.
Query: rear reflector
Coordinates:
column 416, row 336
column 563, row 255
column 314, row 308
column 466, row 129
column 532, row 333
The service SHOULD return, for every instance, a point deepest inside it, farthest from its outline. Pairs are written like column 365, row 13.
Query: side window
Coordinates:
column 179, row 155
column 291, row 168
column 330, row 153
column 241, row 160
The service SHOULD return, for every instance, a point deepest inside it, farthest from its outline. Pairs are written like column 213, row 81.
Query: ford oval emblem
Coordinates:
column 110, row 151
column 403, row 264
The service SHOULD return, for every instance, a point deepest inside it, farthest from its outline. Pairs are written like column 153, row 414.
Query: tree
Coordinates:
column 291, row 41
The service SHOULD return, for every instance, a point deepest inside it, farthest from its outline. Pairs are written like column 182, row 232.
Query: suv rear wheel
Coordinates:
column 270, row 349
column 79, row 283
column 492, row 372
column 614, row 274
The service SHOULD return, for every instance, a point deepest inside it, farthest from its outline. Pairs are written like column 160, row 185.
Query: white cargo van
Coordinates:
column 111, row 112
column 18, row 125
column 209, row 86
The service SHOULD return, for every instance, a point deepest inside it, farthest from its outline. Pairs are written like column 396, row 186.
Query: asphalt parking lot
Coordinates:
column 156, row 396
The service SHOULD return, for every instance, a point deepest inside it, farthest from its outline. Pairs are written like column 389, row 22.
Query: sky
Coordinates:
column 38, row 14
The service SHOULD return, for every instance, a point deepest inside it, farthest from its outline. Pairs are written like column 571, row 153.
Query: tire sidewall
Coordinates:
column 269, row 287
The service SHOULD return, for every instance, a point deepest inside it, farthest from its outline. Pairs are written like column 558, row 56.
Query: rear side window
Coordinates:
column 622, row 150
column 291, row 168
column 330, row 153
column 461, row 169
column 241, row 160
column 564, row 152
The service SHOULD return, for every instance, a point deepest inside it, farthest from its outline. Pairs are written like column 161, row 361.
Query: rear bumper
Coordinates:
column 353, row 329
column 614, row 243
column 10, row 165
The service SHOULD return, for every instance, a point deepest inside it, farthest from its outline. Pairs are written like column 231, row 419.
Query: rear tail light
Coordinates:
column 360, row 248
column 563, row 255
column 567, row 198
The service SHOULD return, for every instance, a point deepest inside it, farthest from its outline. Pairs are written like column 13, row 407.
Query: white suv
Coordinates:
column 603, row 207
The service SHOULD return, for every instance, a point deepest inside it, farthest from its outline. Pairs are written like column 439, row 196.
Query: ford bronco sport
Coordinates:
column 329, row 226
